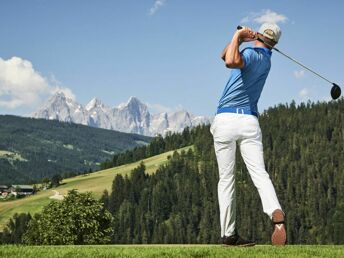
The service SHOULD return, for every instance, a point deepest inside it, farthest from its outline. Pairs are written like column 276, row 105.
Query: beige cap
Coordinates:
column 271, row 31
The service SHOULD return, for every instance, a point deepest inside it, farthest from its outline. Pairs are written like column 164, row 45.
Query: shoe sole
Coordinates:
column 279, row 236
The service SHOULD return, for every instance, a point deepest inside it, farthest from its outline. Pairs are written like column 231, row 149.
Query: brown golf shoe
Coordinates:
column 236, row 240
column 279, row 236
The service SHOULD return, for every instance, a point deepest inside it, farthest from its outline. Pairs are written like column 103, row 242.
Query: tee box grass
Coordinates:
column 175, row 251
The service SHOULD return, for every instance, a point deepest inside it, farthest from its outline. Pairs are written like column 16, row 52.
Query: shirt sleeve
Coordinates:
column 248, row 54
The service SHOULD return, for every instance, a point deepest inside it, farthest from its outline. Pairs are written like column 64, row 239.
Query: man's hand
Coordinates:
column 246, row 34
column 231, row 54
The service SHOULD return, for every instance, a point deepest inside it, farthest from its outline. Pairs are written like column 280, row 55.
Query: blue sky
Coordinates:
column 166, row 53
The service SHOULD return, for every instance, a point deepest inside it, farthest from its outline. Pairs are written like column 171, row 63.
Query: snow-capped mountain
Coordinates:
column 130, row 117
column 98, row 114
column 61, row 108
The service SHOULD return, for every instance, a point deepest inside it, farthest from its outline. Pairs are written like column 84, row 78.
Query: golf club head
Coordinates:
column 335, row 91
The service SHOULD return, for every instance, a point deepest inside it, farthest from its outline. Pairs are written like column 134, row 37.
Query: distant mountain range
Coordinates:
column 131, row 117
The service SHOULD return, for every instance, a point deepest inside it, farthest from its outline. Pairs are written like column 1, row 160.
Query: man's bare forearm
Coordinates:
column 231, row 54
column 223, row 55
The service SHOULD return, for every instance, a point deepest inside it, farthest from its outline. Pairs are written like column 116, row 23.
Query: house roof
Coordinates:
column 3, row 186
column 23, row 186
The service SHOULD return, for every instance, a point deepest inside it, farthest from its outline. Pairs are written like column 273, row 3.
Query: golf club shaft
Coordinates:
column 292, row 59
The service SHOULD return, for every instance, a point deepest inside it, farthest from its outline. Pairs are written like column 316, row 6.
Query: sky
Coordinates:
column 164, row 52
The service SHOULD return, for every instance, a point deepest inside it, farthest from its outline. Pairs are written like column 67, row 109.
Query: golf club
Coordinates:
column 335, row 90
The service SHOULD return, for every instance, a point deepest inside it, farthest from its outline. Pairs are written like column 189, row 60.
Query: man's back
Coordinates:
column 245, row 85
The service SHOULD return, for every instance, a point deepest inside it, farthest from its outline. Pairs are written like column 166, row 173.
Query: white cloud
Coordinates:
column 305, row 94
column 245, row 19
column 22, row 86
column 312, row 94
column 156, row 6
column 265, row 16
column 299, row 74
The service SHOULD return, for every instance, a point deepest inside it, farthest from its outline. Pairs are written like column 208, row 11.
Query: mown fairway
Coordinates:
column 170, row 251
column 95, row 182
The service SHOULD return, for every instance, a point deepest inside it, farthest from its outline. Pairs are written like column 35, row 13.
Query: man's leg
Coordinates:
column 225, row 154
column 251, row 149
column 252, row 152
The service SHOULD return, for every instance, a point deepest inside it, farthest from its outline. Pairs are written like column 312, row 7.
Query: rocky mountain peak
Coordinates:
column 94, row 103
column 133, row 104
column 131, row 117
column 58, row 97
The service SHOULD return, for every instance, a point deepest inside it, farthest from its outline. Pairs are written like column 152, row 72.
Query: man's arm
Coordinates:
column 223, row 54
column 231, row 54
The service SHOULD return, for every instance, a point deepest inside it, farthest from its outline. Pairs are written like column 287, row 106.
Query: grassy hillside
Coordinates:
column 96, row 182
column 216, row 251
column 31, row 149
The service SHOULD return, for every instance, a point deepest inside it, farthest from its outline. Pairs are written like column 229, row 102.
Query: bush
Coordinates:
column 78, row 219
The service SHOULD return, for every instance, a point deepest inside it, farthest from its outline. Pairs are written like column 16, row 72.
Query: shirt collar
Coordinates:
column 265, row 50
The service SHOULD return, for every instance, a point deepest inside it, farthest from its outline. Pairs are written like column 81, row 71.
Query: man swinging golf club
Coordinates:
column 236, row 121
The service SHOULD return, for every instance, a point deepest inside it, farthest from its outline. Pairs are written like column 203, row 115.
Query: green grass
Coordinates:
column 175, row 251
column 95, row 182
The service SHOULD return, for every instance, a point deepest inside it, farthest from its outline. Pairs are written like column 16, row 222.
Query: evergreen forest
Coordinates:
column 303, row 149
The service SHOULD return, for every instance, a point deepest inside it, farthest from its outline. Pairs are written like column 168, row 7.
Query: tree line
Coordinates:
column 158, row 145
column 303, row 147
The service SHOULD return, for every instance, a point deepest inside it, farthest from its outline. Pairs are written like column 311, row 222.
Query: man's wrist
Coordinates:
column 237, row 38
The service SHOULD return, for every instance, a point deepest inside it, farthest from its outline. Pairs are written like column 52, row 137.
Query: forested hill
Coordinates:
column 304, row 157
column 31, row 149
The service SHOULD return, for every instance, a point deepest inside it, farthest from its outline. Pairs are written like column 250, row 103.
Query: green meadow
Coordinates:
column 174, row 251
column 95, row 182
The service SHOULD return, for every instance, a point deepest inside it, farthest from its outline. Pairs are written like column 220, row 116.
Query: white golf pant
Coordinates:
column 227, row 129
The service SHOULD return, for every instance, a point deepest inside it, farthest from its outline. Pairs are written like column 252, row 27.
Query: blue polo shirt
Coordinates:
column 245, row 85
